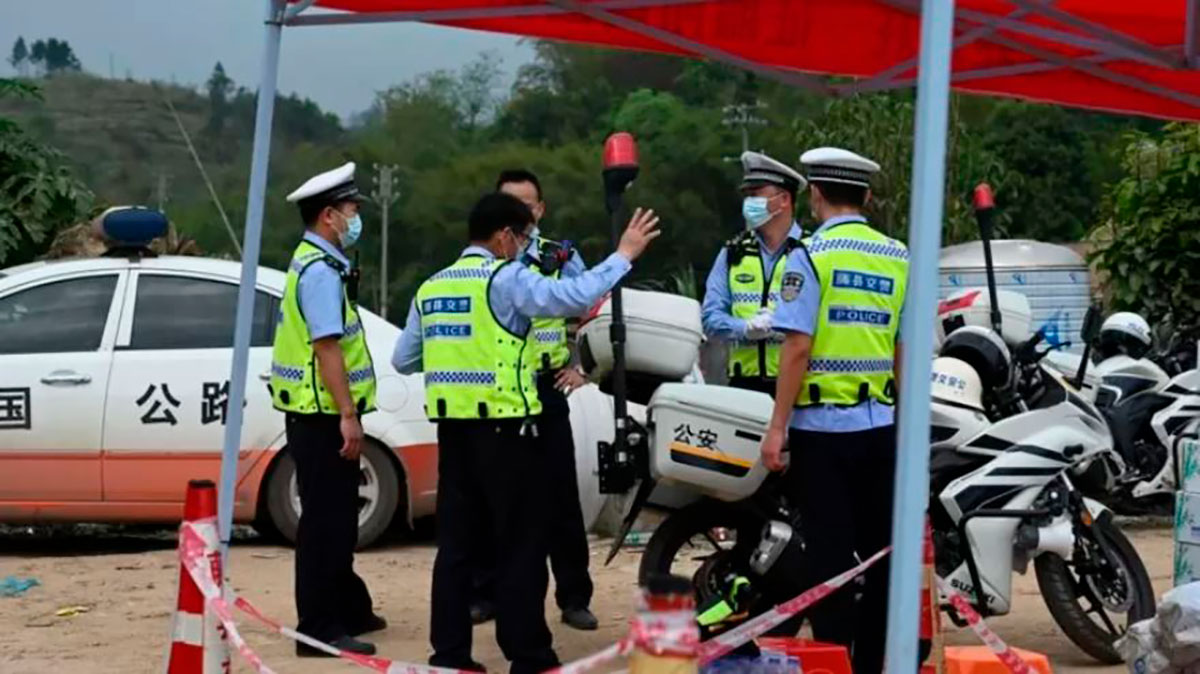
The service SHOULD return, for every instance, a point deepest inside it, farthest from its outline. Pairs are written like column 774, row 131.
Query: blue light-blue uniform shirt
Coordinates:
column 518, row 295
column 716, row 311
column 320, row 292
column 799, row 314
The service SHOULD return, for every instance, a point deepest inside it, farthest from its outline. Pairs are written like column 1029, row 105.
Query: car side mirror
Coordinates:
column 1091, row 325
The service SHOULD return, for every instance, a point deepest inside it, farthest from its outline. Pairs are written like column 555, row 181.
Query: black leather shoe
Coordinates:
column 371, row 624
column 468, row 666
column 482, row 612
column 580, row 619
column 342, row 643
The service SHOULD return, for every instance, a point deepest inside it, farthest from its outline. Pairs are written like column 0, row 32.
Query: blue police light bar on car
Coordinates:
column 132, row 226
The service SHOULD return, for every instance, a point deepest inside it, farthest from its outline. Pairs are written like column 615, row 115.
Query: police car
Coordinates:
column 114, row 389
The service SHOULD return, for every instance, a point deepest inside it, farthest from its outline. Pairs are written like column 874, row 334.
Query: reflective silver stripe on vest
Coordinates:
column 885, row 249
column 287, row 373
column 359, row 376
column 851, row 365
column 461, row 274
column 464, row 377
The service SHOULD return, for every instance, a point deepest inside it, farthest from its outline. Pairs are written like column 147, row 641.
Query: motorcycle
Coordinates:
column 1017, row 457
column 1151, row 401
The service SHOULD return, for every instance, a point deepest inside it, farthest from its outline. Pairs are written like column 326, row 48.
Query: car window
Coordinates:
column 180, row 312
column 58, row 317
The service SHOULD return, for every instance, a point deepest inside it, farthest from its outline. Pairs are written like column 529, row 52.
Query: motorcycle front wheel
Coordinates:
column 1104, row 589
column 698, row 542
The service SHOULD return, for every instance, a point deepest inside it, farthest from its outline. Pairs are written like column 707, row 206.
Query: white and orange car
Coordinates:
column 114, row 385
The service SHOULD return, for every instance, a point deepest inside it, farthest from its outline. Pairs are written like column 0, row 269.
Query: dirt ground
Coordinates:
column 127, row 582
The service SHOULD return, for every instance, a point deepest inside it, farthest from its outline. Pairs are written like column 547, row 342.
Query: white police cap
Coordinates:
column 759, row 169
column 328, row 188
column 835, row 165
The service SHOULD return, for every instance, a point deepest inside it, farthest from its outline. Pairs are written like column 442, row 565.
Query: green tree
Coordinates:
column 219, row 86
column 57, row 56
column 879, row 126
column 19, row 53
column 1148, row 243
column 38, row 194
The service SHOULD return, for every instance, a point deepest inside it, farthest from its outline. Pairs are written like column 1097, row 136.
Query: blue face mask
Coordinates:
column 756, row 212
column 353, row 230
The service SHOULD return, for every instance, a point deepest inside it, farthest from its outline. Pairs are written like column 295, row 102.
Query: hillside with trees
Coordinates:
column 449, row 133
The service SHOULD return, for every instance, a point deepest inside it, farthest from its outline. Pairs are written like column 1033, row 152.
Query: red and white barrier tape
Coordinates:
column 671, row 633
column 725, row 643
column 655, row 639
column 1003, row 652
column 192, row 550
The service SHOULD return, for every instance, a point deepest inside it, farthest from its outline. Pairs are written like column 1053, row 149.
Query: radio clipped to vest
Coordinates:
column 549, row 347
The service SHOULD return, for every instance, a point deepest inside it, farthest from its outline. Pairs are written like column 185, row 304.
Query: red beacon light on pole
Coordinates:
column 620, row 167
column 984, row 199
column 620, row 152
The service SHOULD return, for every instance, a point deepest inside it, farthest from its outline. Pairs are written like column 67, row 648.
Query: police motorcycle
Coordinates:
column 1151, row 400
column 1017, row 459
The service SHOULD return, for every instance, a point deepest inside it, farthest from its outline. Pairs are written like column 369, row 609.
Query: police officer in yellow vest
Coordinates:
column 840, row 306
column 323, row 380
column 742, row 291
column 556, row 378
column 468, row 331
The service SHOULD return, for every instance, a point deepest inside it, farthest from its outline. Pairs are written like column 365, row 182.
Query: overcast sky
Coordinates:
column 339, row 67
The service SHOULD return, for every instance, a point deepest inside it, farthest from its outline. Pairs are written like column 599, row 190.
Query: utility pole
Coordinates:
column 384, row 195
column 743, row 115
column 161, row 192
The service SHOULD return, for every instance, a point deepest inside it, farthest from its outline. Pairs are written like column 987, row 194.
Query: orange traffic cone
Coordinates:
column 932, row 651
column 197, row 641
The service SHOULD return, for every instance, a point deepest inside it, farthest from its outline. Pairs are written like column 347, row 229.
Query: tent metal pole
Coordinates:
column 469, row 13
column 1102, row 46
column 924, row 243
column 1191, row 40
column 888, row 79
column 791, row 78
column 1155, row 53
column 1097, row 71
column 251, row 246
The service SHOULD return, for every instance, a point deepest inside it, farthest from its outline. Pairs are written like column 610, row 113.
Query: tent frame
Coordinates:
column 932, row 77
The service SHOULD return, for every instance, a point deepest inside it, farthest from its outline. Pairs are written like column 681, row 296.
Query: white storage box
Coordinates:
column 662, row 335
column 1187, row 563
column 974, row 307
column 1187, row 462
column 708, row 437
column 1187, row 518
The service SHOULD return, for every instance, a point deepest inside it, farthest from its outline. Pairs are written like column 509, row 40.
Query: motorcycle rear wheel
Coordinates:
column 1071, row 593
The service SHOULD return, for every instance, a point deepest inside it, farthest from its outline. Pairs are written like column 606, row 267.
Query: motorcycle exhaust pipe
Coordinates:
column 1058, row 538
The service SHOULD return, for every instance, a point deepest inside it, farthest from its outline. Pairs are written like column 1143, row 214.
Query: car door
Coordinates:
column 56, row 340
column 169, row 392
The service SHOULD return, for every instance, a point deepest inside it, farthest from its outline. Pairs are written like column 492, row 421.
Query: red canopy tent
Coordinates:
column 1135, row 58
column 1122, row 57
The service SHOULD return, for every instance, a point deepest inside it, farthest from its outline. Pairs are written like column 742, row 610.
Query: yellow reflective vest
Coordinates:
column 296, row 382
column 751, row 288
column 474, row 367
column 863, row 276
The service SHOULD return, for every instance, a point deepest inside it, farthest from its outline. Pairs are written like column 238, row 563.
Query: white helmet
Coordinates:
column 956, row 383
column 1124, row 333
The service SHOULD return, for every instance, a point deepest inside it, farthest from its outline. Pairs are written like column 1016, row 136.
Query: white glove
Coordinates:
column 759, row 326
